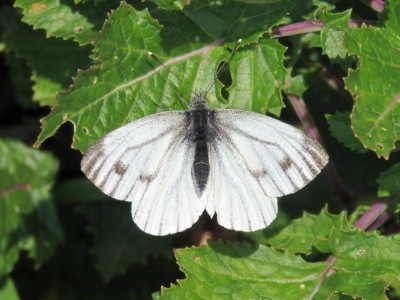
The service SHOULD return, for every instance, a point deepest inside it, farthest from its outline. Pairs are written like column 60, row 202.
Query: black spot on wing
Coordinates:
column 285, row 163
column 120, row 168
column 147, row 178
column 258, row 173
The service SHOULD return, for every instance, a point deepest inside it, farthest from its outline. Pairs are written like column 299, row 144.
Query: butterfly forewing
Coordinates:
column 149, row 163
column 277, row 157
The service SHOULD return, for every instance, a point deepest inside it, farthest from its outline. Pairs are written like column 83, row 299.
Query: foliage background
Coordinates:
column 82, row 67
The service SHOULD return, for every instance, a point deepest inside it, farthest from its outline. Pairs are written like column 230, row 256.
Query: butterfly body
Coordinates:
column 174, row 165
column 201, row 133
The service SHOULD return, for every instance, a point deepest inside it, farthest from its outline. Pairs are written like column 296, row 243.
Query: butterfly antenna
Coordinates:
column 224, row 64
column 173, row 74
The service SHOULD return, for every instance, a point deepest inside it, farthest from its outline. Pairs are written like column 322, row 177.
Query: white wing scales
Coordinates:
column 148, row 162
column 254, row 159
column 280, row 157
column 240, row 204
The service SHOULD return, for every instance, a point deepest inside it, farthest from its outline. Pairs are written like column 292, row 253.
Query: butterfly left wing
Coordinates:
column 253, row 160
column 149, row 163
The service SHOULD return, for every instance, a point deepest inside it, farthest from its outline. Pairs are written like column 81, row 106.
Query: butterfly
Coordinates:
column 174, row 165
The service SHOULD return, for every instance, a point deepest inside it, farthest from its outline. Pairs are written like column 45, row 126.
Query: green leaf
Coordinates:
column 64, row 19
column 8, row 290
column 242, row 271
column 302, row 234
column 389, row 182
column 118, row 243
column 238, row 20
column 366, row 263
column 258, row 78
column 298, row 85
column 171, row 5
column 126, row 84
column 340, row 127
column 43, row 55
column 28, row 218
column 390, row 16
column 332, row 33
column 375, row 85
column 356, row 286
column 363, row 265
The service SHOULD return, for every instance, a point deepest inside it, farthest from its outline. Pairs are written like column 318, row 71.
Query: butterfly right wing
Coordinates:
column 254, row 159
column 148, row 162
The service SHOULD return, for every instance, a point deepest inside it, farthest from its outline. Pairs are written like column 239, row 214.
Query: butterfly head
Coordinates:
column 199, row 101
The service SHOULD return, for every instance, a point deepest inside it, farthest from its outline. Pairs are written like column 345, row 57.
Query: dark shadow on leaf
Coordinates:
column 38, row 231
column 234, row 249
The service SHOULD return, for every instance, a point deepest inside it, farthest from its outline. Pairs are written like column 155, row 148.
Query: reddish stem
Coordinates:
column 377, row 5
column 330, row 262
column 15, row 187
column 309, row 26
column 379, row 221
column 373, row 218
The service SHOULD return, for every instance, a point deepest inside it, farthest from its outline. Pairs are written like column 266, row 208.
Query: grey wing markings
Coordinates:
column 145, row 178
column 273, row 168
column 115, row 156
column 167, row 192
column 239, row 203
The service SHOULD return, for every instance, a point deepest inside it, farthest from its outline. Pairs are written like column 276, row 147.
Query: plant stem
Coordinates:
column 296, row 28
column 15, row 187
column 373, row 218
column 331, row 260
column 309, row 26
column 377, row 5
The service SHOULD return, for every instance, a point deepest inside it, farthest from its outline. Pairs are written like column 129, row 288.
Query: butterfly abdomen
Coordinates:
column 201, row 167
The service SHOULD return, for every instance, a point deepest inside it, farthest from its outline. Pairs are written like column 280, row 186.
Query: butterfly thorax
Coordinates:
column 199, row 127
column 199, row 119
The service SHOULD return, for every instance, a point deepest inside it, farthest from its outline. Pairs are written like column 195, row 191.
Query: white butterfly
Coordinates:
column 174, row 165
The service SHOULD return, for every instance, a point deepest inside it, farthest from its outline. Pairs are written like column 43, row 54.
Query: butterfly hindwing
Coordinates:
column 239, row 203
column 149, row 163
